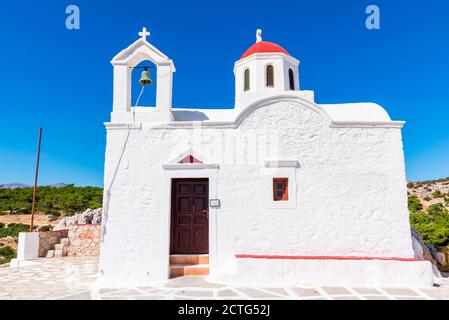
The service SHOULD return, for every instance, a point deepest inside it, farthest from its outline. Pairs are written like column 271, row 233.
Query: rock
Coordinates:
column 70, row 221
column 97, row 213
column 60, row 226
column 85, row 217
column 424, row 252
column 433, row 251
column 89, row 216
column 444, row 253
column 441, row 258
column 8, row 242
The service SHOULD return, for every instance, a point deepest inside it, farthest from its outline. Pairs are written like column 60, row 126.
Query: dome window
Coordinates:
column 270, row 76
column 246, row 85
column 291, row 79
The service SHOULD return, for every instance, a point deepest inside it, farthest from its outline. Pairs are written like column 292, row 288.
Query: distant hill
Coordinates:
column 14, row 186
column 57, row 185
column 23, row 186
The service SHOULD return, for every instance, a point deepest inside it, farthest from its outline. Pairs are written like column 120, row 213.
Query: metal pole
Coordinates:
column 33, row 207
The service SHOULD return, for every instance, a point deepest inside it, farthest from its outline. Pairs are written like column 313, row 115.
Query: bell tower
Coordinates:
column 123, row 63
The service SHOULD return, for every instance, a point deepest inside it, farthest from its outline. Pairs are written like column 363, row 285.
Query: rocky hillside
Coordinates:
column 430, row 192
column 428, row 203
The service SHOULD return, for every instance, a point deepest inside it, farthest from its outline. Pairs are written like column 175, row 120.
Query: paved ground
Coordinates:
column 70, row 279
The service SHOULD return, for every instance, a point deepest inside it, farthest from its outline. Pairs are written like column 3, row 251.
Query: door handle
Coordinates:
column 206, row 212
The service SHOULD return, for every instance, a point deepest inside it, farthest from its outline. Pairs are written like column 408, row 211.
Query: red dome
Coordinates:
column 264, row 46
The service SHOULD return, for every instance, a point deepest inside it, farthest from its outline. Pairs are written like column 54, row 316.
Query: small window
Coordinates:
column 280, row 189
column 246, row 86
column 270, row 77
column 291, row 79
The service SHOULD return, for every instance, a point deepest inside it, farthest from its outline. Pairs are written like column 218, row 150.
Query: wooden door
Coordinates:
column 190, row 216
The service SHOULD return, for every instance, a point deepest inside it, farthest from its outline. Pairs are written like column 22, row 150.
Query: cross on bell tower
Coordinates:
column 144, row 33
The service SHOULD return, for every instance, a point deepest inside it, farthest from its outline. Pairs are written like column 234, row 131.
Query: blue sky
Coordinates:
column 62, row 80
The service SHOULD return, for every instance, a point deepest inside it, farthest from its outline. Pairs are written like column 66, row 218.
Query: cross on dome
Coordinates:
column 144, row 33
column 259, row 35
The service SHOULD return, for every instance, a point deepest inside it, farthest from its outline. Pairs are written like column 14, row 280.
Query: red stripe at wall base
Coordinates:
column 348, row 258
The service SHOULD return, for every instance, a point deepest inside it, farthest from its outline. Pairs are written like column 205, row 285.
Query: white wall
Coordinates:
column 350, row 192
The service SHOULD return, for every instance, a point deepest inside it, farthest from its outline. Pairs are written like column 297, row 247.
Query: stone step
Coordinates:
column 50, row 253
column 59, row 247
column 179, row 270
column 65, row 241
column 58, row 253
column 189, row 259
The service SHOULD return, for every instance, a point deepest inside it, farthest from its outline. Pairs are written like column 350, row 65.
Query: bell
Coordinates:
column 145, row 80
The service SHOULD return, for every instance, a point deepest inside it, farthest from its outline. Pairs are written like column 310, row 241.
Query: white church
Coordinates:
column 278, row 190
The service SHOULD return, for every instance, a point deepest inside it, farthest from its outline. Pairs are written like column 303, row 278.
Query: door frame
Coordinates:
column 173, row 200
column 187, row 171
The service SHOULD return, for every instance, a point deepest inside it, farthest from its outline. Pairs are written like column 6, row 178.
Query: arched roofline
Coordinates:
column 327, row 118
column 281, row 98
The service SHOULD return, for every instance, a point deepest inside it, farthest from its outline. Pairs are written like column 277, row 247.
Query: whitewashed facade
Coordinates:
column 343, row 218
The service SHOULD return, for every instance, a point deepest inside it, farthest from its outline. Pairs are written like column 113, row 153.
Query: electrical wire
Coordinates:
column 137, row 103
column 140, row 95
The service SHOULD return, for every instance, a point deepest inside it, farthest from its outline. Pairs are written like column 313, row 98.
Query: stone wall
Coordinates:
column 84, row 240
column 47, row 240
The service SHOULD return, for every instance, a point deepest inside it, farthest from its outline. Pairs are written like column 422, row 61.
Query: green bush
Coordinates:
column 427, row 198
column 437, row 194
column 2, row 225
column 6, row 254
column 13, row 230
column 433, row 225
column 414, row 204
column 410, row 185
column 437, row 211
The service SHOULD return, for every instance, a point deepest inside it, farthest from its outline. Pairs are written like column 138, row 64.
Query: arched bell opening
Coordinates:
column 143, row 84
